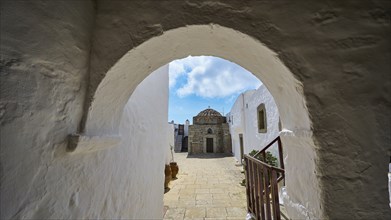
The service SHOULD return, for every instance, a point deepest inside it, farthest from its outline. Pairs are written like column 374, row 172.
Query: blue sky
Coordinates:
column 198, row 82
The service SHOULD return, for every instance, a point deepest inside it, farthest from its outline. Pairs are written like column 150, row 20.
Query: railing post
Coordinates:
column 257, row 192
column 280, row 153
column 275, row 199
column 252, row 188
column 247, row 173
column 267, row 192
column 261, row 190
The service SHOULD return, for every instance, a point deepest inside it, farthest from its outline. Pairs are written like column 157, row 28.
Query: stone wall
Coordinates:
column 208, row 120
column 199, row 133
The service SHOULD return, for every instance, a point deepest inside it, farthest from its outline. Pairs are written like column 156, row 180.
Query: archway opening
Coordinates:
column 105, row 112
column 202, row 91
column 211, row 92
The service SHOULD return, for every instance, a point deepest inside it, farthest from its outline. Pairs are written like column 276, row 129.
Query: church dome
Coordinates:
column 209, row 112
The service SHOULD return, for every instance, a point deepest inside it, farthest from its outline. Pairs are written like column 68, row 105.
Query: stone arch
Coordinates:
column 120, row 81
column 104, row 114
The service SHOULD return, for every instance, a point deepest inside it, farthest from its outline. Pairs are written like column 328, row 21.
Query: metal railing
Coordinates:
column 262, row 184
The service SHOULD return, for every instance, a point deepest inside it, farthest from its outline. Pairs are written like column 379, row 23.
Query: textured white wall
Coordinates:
column 236, row 124
column 45, row 47
column 144, row 133
column 170, row 142
column 253, row 138
column 244, row 113
column 116, row 183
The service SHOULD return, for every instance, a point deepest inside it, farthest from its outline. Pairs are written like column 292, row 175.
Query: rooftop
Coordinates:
column 209, row 112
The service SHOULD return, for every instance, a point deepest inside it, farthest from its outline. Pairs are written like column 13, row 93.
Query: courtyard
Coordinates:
column 207, row 187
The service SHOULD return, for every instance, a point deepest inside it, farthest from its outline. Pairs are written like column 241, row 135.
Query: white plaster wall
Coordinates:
column 236, row 125
column 144, row 133
column 254, row 139
column 45, row 47
column 296, row 155
column 170, row 142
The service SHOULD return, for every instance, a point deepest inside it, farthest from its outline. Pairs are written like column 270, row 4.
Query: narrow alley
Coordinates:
column 207, row 187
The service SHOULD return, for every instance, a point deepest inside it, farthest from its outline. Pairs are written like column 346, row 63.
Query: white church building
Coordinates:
column 253, row 122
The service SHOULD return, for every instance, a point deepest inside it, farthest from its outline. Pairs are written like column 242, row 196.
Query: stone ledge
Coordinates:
column 86, row 144
column 296, row 133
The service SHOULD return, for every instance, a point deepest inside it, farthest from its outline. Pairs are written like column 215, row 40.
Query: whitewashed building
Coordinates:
column 253, row 122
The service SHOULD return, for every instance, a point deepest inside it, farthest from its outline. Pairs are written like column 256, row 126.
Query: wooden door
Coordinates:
column 209, row 145
column 241, row 147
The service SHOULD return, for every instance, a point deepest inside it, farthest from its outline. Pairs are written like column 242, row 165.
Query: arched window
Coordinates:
column 210, row 131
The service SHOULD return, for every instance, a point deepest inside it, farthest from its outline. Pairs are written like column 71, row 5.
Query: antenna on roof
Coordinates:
column 208, row 106
column 223, row 111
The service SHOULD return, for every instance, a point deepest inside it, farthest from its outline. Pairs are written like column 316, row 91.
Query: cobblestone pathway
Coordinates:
column 208, row 187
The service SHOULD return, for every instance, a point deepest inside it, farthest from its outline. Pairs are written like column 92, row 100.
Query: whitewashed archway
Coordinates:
column 120, row 81
column 104, row 114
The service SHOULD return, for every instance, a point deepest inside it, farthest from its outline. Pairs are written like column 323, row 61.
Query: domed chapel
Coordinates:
column 209, row 133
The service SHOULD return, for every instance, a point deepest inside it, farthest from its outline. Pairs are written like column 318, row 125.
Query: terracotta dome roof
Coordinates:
column 209, row 112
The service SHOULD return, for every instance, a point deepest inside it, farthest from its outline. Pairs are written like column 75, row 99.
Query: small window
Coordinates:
column 210, row 131
column 261, row 116
column 279, row 124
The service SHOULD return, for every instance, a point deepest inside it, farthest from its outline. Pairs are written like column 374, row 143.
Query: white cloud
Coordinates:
column 183, row 66
column 176, row 69
column 210, row 77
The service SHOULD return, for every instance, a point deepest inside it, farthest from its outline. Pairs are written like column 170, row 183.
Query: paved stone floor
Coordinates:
column 208, row 187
